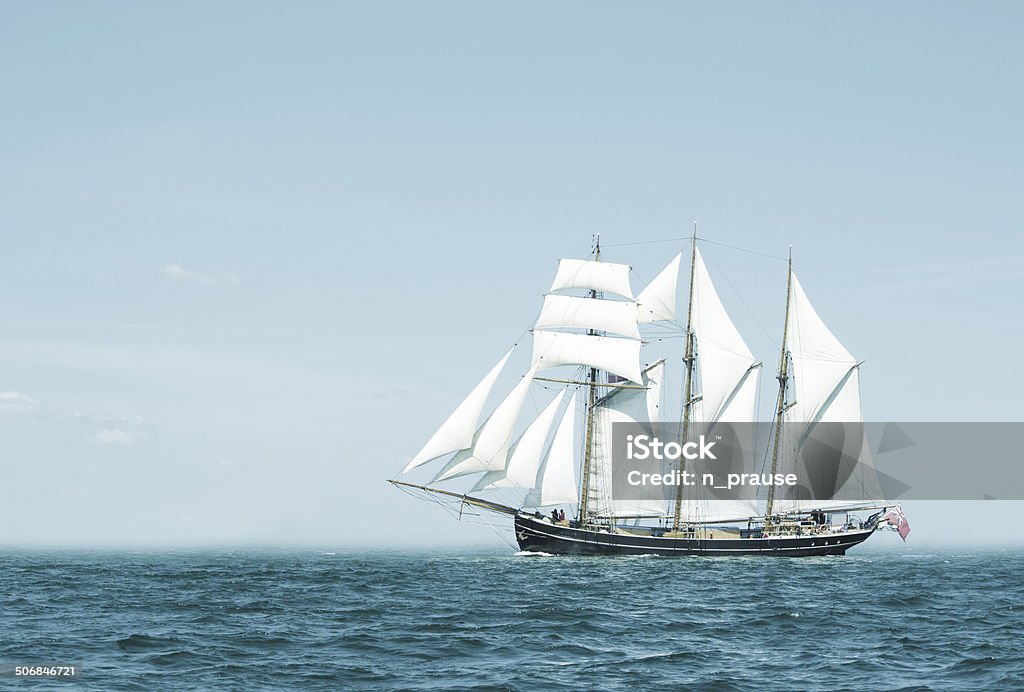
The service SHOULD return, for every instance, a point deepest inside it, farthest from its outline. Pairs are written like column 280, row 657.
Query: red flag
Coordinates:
column 896, row 518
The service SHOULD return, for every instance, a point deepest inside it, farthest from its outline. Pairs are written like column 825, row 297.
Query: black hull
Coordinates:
column 539, row 535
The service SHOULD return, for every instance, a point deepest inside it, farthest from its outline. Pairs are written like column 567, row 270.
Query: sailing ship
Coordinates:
column 587, row 348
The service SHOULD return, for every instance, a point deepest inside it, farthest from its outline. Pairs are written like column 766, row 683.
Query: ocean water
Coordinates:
column 488, row 619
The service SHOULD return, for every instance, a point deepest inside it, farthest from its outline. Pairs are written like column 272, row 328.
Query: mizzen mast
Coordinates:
column 688, row 386
column 781, row 407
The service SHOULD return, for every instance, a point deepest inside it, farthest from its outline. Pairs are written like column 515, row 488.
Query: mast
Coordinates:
column 688, row 387
column 591, row 400
column 780, row 409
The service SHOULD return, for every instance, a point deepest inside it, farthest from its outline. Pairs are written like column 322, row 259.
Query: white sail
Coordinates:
column 708, row 511
column 728, row 374
column 707, row 505
column 825, row 388
column 728, row 370
column 489, row 451
column 658, row 301
column 618, row 356
column 526, row 454
column 633, row 406
column 821, row 366
column 457, row 431
column 605, row 277
column 556, row 480
column 614, row 316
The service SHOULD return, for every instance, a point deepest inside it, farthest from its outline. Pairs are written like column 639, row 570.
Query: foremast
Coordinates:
column 688, row 359
column 588, row 442
column 781, row 406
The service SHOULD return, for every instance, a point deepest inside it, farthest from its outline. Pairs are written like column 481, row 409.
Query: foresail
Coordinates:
column 634, row 406
column 457, row 431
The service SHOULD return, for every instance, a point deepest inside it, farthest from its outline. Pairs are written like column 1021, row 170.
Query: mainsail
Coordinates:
column 728, row 377
column 728, row 370
column 822, row 425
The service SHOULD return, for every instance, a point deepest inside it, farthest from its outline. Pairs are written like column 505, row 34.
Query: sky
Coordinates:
column 254, row 253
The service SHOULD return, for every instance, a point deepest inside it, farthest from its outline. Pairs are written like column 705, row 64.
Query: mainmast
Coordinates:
column 688, row 387
column 591, row 400
column 780, row 409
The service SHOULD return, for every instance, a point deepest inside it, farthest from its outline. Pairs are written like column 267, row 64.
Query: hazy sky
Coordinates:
column 253, row 253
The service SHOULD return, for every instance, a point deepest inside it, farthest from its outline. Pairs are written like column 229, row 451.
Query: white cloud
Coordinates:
column 133, row 420
column 16, row 401
column 114, row 436
column 176, row 272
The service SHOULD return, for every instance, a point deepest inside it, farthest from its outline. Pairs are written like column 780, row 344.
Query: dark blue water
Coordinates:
column 493, row 620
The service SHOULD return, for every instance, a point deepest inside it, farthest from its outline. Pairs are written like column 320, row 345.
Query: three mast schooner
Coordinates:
column 590, row 325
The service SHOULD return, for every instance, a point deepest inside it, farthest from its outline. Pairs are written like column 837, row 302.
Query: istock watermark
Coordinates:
column 644, row 447
column 650, row 447
column 817, row 462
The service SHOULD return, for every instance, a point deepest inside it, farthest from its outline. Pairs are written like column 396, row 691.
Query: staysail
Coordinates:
column 489, row 451
column 555, row 482
column 657, row 302
column 457, row 431
column 526, row 454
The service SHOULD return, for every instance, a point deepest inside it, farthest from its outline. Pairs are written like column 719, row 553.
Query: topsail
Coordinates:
column 588, row 275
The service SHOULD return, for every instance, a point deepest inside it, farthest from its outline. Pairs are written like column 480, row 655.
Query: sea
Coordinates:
column 494, row 619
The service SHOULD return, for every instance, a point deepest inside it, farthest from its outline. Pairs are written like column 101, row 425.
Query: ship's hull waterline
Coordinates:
column 540, row 535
